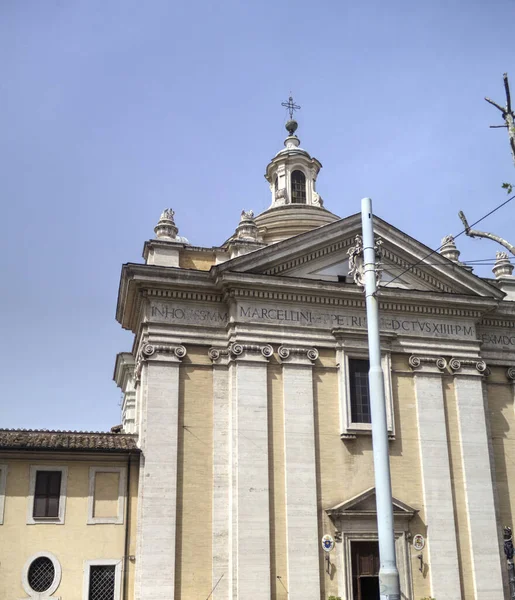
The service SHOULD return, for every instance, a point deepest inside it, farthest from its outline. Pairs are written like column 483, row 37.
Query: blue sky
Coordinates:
column 112, row 111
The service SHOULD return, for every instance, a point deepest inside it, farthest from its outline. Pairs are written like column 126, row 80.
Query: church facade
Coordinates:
column 246, row 437
column 247, row 389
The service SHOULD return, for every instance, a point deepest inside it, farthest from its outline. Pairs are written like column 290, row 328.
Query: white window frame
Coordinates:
column 119, row 518
column 47, row 595
column 3, row 484
column 59, row 520
column 350, row 429
column 117, row 562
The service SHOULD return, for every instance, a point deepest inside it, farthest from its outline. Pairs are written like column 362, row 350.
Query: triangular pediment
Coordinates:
column 322, row 255
column 364, row 504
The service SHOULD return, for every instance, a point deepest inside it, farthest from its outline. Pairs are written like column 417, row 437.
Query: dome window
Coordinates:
column 298, row 187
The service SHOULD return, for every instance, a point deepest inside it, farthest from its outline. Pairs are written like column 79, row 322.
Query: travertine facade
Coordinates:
column 244, row 393
column 242, row 365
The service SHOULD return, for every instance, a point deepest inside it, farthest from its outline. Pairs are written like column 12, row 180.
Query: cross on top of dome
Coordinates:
column 291, row 125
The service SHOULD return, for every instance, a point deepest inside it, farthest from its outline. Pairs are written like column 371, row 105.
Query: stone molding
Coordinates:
column 355, row 302
column 501, row 323
column 418, row 272
column 434, row 363
column 183, row 295
column 510, row 374
column 456, row 364
column 316, row 254
column 237, row 351
column 175, row 352
column 297, row 355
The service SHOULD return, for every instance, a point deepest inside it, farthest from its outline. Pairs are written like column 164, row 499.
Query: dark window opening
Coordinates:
column 298, row 187
column 359, row 391
column 276, row 183
column 47, row 494
column 101, row 582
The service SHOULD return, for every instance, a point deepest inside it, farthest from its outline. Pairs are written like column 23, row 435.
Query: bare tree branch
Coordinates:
column 507, row 114
column 502, row 109
column 483, row 234
column 507, row 90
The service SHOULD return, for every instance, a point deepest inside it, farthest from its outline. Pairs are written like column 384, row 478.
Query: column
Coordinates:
column 157, row 371
column 479, row 493
column 436, row 477
column 221, row 475
column 250, row 522
column 300, row 472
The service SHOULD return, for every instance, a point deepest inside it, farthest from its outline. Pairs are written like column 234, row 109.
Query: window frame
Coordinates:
column 298, row 170
column 3, row 484
column 349, row 428
column 25, row 576
column 103, row 562
column 119, row 519
column 59, row 520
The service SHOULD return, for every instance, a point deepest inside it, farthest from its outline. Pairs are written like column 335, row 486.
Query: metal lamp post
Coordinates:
column 365, row 273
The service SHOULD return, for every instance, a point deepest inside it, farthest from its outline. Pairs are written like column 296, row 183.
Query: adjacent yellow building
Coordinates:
column 68, row 512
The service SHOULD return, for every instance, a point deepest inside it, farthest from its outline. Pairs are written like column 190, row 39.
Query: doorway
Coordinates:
column 365, row 570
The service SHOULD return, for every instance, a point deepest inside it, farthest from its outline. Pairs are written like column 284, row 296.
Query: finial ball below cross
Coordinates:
column 291, row 125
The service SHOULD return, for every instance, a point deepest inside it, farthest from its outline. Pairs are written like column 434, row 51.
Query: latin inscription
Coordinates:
column 210, row 315
column 497, row 340
column 402, row 325
column 189, row 314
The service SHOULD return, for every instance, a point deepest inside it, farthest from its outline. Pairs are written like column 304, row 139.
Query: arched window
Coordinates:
column 276, row 183
column 298, row 187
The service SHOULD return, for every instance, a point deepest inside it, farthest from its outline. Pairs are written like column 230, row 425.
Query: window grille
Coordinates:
column 101, row 582
column 47, row 493
column 359, row 391
column 41, row 574
column 298, row 187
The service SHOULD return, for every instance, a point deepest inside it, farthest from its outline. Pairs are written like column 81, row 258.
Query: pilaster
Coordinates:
column 221, row 475
column 250, row 515
column 300, row 473
column 157, row 372
column 436, row 477
column 479, row 492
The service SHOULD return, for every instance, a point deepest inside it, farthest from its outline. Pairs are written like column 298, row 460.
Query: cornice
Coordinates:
column 349, row 296
column 421, row 274
column 498, row 322
column 183, row 295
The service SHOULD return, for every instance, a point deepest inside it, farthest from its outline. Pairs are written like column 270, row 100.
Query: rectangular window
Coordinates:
column 47, row 494
column 102, row 582
column 359, row 391
column 3, row 482
column 102, row 579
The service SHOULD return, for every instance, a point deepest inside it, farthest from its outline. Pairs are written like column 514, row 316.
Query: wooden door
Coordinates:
column 365, row 570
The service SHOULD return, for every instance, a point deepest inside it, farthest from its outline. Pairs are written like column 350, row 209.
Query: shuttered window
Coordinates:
column 47, row 494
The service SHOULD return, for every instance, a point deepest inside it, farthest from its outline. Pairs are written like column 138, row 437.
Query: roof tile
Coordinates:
column 97, row 441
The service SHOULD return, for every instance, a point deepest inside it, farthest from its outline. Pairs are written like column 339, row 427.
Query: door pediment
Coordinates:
column 364, row 505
